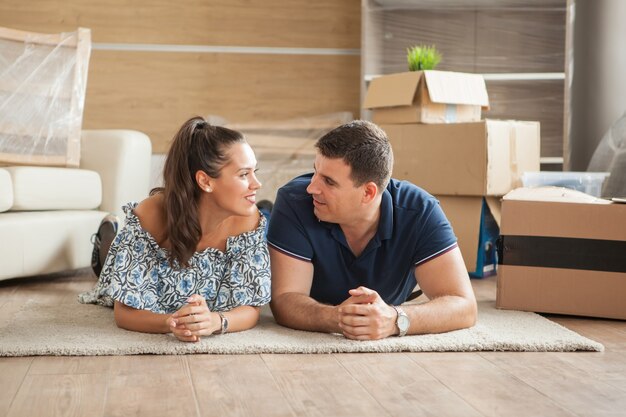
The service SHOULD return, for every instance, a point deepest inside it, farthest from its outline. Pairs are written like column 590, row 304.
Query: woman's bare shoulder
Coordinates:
column 151, row 215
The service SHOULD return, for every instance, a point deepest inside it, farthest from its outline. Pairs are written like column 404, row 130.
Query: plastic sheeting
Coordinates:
column 610, row 156
column 42, row 94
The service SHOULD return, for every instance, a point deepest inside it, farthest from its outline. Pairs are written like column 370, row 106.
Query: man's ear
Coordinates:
column 205, row 182
column 370, row 191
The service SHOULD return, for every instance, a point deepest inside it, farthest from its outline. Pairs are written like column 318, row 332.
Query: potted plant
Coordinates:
column 423, row 57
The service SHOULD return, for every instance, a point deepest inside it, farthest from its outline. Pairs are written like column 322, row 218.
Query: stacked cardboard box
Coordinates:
column 440, row 143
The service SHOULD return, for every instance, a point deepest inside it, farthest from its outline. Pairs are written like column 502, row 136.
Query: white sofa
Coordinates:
column 47, row 215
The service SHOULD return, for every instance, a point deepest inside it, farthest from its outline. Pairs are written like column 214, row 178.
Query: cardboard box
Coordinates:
column 475, row 221
column 426, row 97
column 481, row 158
column 564, row 252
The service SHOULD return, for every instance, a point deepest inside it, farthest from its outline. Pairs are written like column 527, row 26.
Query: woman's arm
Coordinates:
column 148, row 322
column 242, row 318
column 140, row 320
column 189, row 323
column 199, row 321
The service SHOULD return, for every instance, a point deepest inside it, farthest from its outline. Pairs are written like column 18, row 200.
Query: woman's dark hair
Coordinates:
column 198, row 146
column 364, row 147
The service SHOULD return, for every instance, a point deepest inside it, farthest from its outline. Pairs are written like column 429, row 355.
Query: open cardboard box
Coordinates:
column 427, row 97
column 478, row 159
column 562, row 252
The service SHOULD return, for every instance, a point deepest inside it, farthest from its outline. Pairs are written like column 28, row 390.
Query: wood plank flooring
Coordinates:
column 395, row 384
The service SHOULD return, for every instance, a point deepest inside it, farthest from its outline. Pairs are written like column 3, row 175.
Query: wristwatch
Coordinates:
column 402, row 321
column 224, row 321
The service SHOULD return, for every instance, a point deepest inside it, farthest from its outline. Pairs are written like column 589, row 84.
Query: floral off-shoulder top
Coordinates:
column 138, row 273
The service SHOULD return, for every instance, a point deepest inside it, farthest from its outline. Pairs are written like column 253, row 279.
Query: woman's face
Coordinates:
column 235, row 189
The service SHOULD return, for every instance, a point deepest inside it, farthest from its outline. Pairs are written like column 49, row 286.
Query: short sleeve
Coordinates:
column 436, row 236
column 130, row 273
column 287, row 230
column 130, row 270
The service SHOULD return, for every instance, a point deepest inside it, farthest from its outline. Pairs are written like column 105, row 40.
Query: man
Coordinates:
column 348, row 244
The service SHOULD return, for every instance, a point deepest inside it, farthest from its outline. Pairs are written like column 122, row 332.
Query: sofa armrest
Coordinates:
column 122, row 158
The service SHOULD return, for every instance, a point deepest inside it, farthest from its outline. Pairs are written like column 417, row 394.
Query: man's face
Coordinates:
column 335, row 197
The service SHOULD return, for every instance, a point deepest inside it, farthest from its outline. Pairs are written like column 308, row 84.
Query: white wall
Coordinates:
column 599, row 76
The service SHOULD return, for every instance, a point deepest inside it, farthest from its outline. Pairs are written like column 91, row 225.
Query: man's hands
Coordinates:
column 194, row 320
column 365, row 316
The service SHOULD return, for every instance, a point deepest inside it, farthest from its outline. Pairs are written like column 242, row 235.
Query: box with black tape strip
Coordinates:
column 562, row 251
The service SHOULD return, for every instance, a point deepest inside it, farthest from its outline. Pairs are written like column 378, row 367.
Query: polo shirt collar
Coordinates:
column 385, row 224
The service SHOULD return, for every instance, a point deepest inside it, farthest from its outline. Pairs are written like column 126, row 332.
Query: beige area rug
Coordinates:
column 77, row 329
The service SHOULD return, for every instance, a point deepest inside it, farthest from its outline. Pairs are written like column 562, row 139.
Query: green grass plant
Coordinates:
column 423, row 57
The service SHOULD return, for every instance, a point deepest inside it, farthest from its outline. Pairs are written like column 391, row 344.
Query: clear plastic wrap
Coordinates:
column 610, row 156
column 42, row 93
column 519, row 45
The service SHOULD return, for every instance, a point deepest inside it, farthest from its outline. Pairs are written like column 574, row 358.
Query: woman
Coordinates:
column 191, row 259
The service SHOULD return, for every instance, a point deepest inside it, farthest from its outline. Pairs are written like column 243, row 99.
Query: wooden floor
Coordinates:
column 398, row 384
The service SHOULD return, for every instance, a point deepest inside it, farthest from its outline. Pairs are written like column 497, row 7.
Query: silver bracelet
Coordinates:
column 224, row 322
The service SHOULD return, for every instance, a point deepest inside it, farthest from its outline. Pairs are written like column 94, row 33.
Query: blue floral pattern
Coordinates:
column 138, row 273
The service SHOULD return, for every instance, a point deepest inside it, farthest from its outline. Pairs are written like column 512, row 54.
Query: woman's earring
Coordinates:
column 208, row 189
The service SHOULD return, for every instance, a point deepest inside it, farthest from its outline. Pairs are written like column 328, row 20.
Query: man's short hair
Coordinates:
column 364, row 147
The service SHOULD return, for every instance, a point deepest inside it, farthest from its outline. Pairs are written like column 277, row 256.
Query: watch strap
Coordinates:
column 401, row 313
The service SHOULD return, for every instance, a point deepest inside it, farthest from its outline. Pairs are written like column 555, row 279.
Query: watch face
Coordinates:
column 403, row 323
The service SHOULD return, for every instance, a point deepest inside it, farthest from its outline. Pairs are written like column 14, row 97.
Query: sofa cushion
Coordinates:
column 46, row 188
column 6, row 190
column 34, row 243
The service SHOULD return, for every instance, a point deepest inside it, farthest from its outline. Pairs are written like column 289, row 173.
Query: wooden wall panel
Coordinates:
column 453, row 33
column 156, row 92
column 481, row 41
column 275, row 23
column 520, row 41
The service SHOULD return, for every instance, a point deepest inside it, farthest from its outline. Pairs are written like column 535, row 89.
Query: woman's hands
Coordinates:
column 193, row 320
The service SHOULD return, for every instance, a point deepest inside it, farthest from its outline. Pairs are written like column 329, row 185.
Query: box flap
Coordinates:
column 525, row 149
column 553, row 194
column 392, row 90
column 464, row 216
column 456, row 88
column 494, row 205
column 514, row 148
column 499, row 165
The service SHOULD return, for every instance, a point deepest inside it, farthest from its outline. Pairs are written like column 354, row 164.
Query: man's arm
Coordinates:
column 445, row 282
column 452, row 304
column 291, row 304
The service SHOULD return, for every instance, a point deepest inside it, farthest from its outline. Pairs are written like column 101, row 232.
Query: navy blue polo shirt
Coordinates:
column 412, row 230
